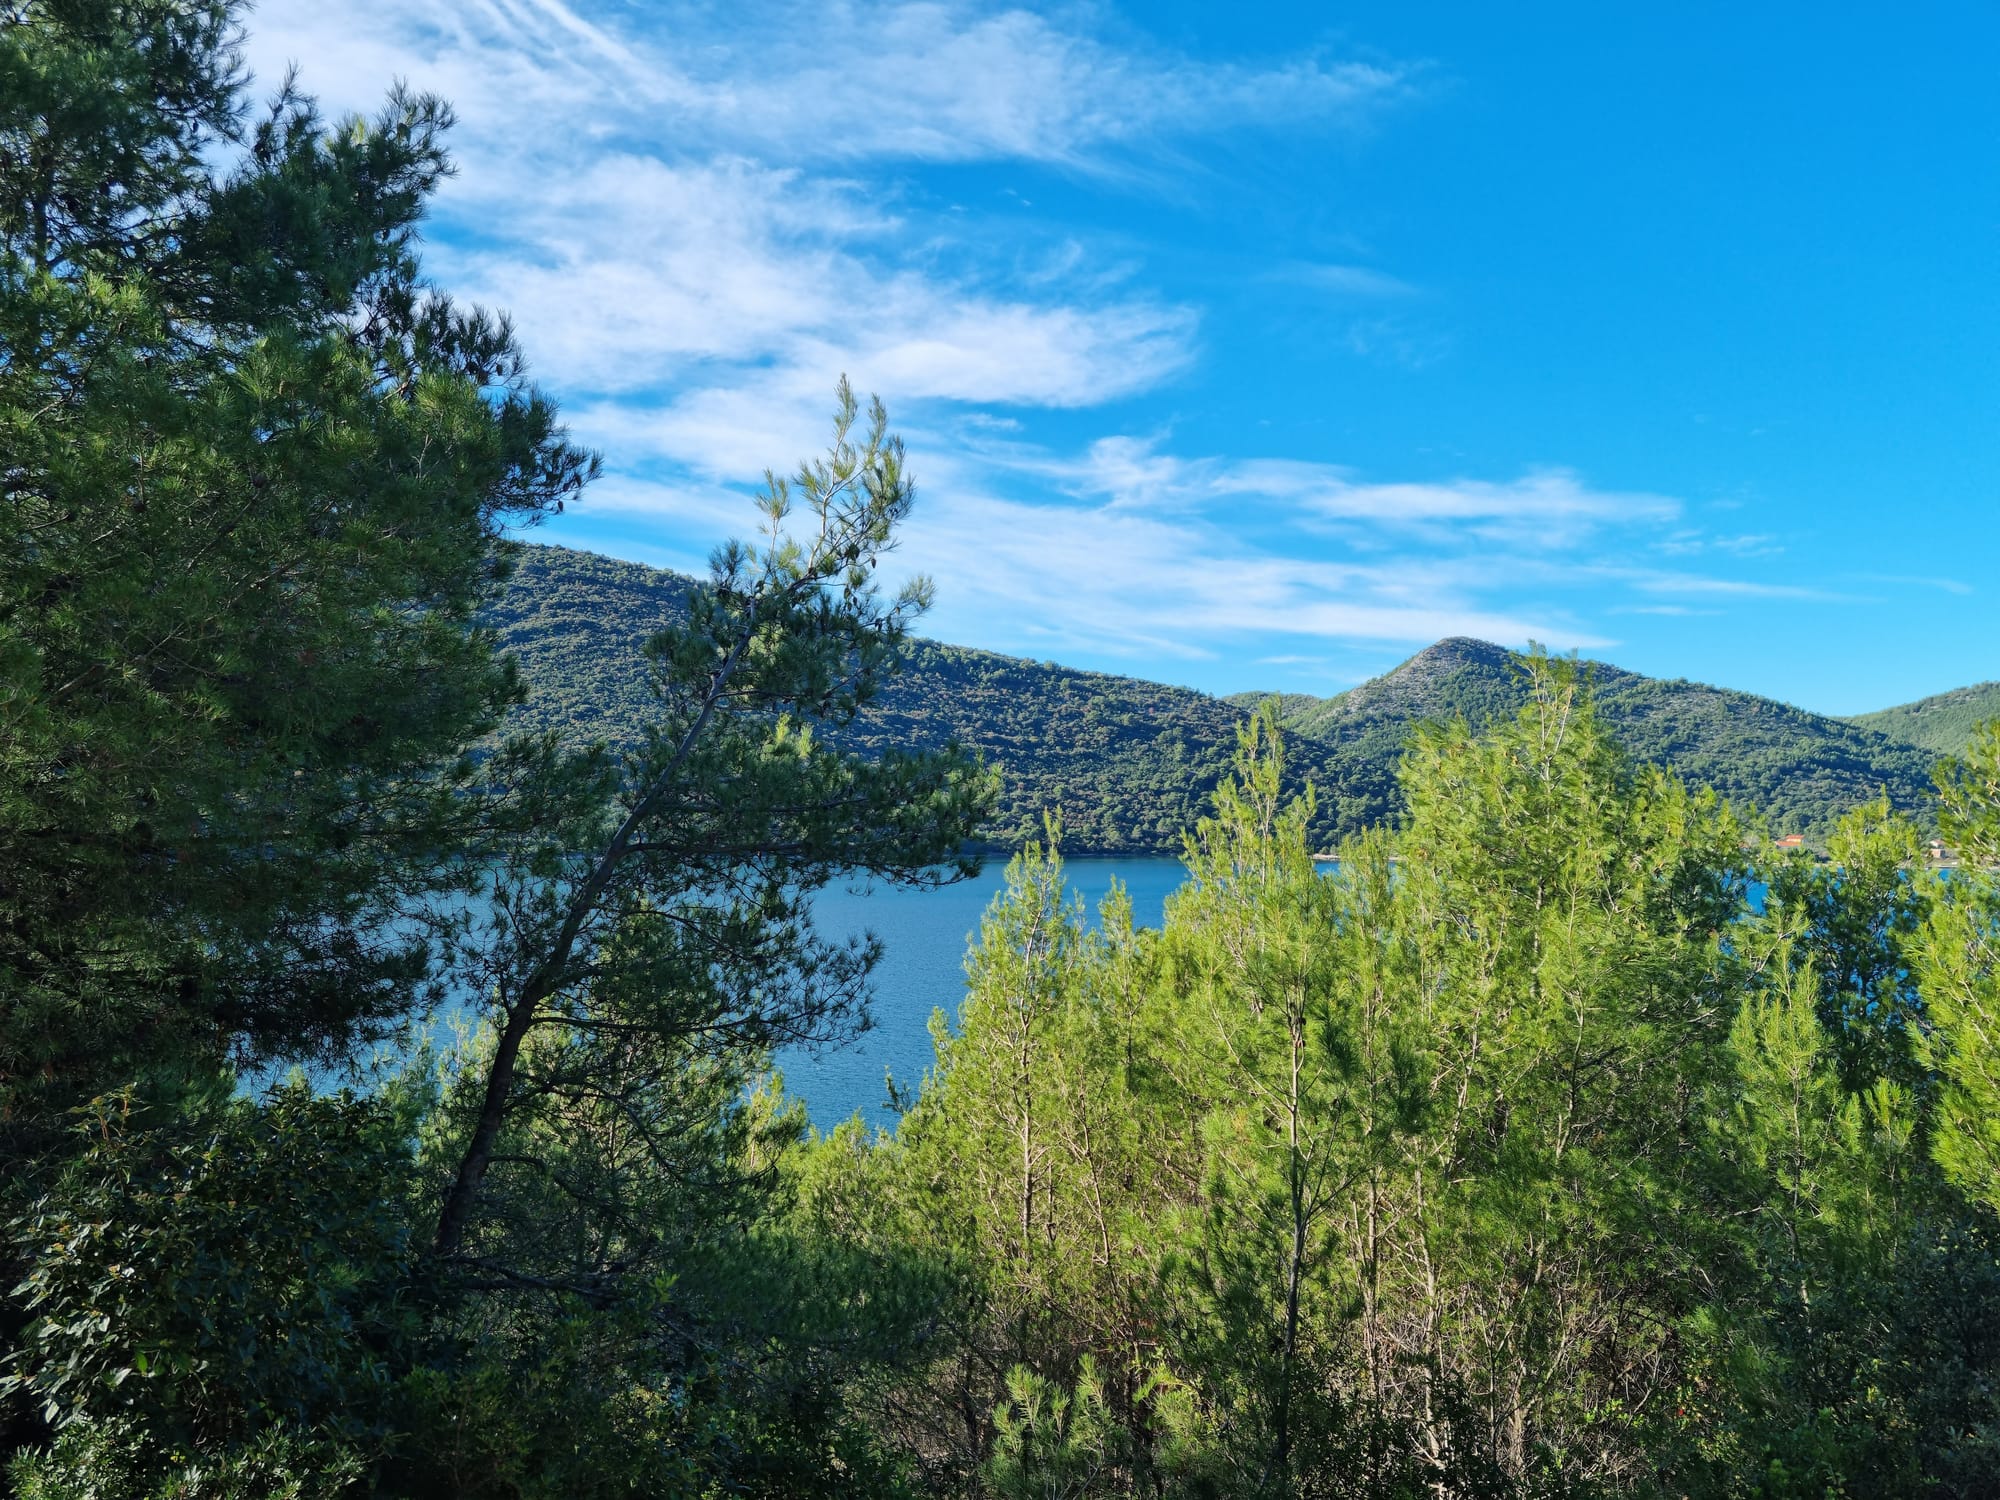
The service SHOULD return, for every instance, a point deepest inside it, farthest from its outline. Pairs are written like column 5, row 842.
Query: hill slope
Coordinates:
column 1801, row 769
column 1131, row 763
column 1943, row 723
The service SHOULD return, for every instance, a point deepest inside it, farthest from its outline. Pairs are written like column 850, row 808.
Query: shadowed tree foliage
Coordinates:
column 255, row 470
column 1559, row 1140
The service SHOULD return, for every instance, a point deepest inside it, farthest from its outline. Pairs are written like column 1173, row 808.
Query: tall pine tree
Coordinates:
column 256, row 471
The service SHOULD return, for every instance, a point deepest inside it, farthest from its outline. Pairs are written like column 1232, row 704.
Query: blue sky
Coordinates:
column 1237, row 346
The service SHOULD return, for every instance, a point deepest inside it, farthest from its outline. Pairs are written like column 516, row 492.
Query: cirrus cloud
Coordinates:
column 699, row 218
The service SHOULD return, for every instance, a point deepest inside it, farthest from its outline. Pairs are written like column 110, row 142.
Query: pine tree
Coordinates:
column 256, row 472
column 1959, row 964
column 1568, row 914
column 659, row 905
column 1260, row 991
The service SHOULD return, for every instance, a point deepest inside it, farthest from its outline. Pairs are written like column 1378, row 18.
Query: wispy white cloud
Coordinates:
column 1119, row 581
column 1660, row 581
column 657, row 214
column 1548, row 505
column 1919, row 581
column 955, row 82
column 820, row 82
column 700, row 217
column 1692, row 541
column 1347, row 280
column 1672, row 611
column 1545, row 508
column 1397, row 341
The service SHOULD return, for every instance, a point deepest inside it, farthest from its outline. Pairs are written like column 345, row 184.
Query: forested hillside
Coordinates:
column 1944, row 722
column 1131, row 763
column 1800, row 769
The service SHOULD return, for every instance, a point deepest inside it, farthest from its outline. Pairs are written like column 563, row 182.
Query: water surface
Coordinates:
column 924, row 938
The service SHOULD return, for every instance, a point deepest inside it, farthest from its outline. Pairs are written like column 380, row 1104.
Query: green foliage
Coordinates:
column 1854, row 916
column 555, row 1412
column 255, row 474
column 257, row 471
column 625, row 1304
column 1846, row 1351
column 1051, row 1443
column 1012, row 1168
column 1295, row 1093
column 1566, row 910
column 1959, row 965
column 1516, row 1156
column 114, row 1458
column 222, row 1288
column 1946, row 723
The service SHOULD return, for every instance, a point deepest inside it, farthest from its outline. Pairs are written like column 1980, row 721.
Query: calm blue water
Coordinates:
column 924, row 938
column 925, row 935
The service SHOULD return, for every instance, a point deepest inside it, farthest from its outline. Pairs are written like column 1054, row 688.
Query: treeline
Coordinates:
column 1132, row 763
column 1554, row 1146
column 1529, row 1154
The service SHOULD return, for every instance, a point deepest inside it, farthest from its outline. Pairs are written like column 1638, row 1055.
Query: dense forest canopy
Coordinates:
column 1132, row 763
column 1128, row 762
column 1946, row 723
column 1525, row 1155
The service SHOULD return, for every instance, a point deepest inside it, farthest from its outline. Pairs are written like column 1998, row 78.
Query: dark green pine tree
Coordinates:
column 1958, row 961
column 660, row 912
column 257, row 475
column 254, row 470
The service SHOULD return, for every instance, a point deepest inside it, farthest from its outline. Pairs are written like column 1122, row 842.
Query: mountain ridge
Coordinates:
column 1131, row 762
column 1944, row 722
column 1802, row 770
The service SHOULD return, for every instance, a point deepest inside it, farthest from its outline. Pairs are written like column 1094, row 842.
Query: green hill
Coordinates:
column 1943, row 723
column 1131, row 763
column 1801, row 769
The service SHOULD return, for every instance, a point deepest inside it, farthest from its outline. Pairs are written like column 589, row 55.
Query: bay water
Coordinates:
column 925, row 936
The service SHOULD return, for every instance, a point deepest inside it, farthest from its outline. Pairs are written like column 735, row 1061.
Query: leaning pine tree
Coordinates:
column 646, row 942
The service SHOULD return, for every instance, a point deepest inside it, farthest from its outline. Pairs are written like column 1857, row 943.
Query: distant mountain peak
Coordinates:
column 1131, row 763
column 1456, row 651
column 1453, row 656
column 1469, row 647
